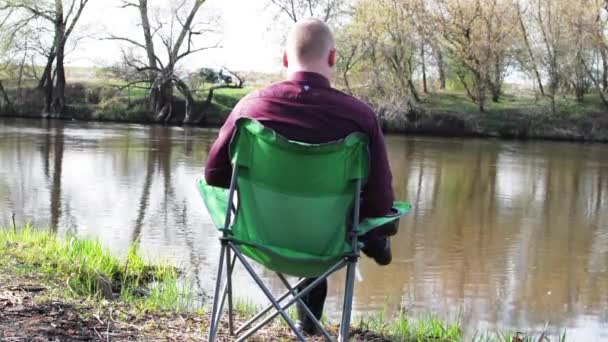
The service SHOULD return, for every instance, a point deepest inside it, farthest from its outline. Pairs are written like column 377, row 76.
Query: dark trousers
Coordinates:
column 315, row 299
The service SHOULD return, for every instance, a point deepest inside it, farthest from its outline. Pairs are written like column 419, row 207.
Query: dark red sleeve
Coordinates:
column 218, row 168
column 377, row 197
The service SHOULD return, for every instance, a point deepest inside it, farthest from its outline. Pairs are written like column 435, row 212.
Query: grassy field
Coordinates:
column 223, row 102
column 522, row 102
column 128, row 298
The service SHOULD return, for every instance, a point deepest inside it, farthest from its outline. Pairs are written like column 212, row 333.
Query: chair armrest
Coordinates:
column 399, row 209
column 216, row 201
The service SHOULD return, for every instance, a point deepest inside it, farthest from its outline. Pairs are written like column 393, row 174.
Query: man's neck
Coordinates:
column 324, row 73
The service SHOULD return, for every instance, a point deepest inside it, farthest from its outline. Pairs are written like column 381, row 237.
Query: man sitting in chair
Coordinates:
column 306, row 108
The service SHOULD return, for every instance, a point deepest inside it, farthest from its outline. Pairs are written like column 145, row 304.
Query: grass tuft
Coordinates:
column 405, row 329
column 87, row 269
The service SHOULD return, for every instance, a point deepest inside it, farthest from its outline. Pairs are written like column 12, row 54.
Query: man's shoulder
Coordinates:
column 353, row 102
column 355, row 107
column 272, row 90
column 333, row 97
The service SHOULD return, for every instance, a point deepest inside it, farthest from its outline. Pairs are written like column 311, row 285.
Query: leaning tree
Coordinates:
column 176, row 33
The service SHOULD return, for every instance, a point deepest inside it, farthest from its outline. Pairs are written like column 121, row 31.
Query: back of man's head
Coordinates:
column 310, row 44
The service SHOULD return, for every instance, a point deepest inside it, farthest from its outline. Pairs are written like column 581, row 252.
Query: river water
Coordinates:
column 504, row 235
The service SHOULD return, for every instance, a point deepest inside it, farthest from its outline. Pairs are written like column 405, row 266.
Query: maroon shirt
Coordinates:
column 305, row 108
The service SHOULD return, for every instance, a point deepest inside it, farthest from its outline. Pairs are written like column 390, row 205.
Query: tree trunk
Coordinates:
column 423, row 61
column 553, row 104
column 145, row 23
column 55, row 104
column 604, row 69
column 413, row 91
column 596, row 84
column 496, row 84
column 190, row 102
column 48, row 70
column 530, row 53
column 21, row 71
column 48, row 92
column 480, row 83
column 346, row 82
column 9, row 109
column 163, row 100
column 59, row 97
column 440, row 67
column 462, row 77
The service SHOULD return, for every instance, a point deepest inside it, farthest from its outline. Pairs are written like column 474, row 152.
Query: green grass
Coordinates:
column 405, row 329
column 129, row 106
column 87, row 269
column 84, row 266
column 430, row 328
column 519, row 337
column 458, row 102
column 223, row 102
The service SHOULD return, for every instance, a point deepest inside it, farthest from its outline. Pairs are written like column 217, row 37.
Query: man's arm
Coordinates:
column 377, row 197
column 218, row 169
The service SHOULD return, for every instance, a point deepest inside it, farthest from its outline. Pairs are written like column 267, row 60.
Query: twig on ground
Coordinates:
column 98, row 334
column 108, row 332
column 67, row 283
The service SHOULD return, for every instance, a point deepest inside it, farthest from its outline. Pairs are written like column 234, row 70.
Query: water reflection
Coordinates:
column 503, row 234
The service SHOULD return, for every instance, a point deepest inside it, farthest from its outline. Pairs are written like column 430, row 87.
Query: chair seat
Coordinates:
column 283, row 260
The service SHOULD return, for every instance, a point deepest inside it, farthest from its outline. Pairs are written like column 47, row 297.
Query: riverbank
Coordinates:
column 439, row 114
column 514, row 117
column 71, row 289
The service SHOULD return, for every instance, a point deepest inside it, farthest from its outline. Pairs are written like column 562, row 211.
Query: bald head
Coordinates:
column 310, row 44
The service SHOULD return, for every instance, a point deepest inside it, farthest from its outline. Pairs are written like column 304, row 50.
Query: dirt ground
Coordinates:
column 28, row 312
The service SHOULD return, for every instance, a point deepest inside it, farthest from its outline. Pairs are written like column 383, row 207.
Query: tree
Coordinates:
column 326, row 10
column 400, row 44
column 176, row 33
column 548, row 19
column 528, row 61
column 477, row 36
column 593, row 27
column 350, row 40
column 63, row 18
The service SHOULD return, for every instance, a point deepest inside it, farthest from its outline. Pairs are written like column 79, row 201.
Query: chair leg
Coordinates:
column 280, row 310
column 309, row 313
column 292, row 301
column 348, row 301
column 215, row 315
column 265, row 310
column 229, row 290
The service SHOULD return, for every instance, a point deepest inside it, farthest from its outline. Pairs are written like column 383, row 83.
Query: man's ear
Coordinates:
column 285, row 61
column 332, row 57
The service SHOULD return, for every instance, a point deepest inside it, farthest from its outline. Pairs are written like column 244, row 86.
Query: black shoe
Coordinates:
column 307, row 327
column 379, row 249
column 389, row 229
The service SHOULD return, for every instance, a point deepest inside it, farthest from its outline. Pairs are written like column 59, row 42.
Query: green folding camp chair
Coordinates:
column 294, row 209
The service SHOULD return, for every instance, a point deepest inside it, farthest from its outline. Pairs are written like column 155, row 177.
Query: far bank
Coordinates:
column 443, row 114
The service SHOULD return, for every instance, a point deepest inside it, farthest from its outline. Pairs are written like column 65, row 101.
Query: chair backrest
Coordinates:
column 295, row 200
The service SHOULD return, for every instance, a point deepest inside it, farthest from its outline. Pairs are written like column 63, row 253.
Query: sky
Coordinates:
column 247, row 42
